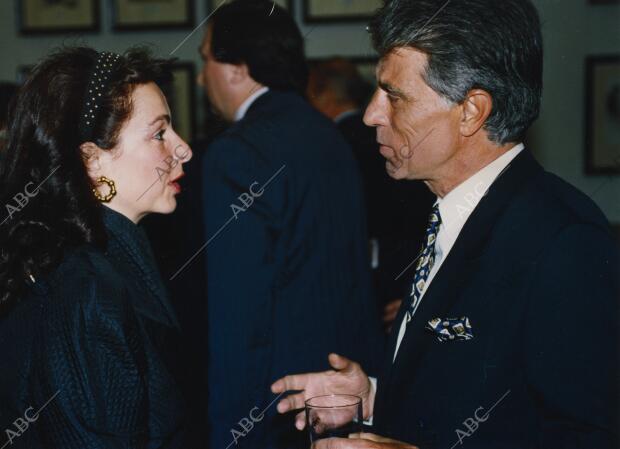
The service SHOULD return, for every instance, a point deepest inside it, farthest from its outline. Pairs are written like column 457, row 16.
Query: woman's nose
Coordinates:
column 182, row 152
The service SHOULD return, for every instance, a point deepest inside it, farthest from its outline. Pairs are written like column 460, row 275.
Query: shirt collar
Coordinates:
column 346, row 114
column 243, row 109
column 456, row 207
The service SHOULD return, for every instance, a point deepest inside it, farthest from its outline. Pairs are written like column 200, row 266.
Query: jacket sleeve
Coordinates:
column 91, row 368
column 571, row 341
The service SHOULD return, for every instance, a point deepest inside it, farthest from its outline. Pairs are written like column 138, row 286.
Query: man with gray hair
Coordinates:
column 509, row 337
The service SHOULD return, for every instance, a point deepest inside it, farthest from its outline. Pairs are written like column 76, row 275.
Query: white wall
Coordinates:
column 572, row 30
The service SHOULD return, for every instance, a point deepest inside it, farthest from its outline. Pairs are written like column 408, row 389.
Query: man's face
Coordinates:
column 417, row 129
column 215, row 79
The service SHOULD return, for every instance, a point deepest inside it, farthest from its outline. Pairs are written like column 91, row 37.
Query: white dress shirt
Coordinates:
column 243, row 109
column 346, row 114
column 455, row 208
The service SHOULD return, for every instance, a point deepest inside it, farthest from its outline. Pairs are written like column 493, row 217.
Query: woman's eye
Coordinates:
column 160, row 135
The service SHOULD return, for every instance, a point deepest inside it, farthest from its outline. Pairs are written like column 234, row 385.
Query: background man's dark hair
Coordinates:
column 343, row 78
column 263, row 36
column 473, row 44
column 7, row 92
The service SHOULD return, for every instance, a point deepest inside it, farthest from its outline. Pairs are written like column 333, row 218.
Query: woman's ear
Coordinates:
column 90, row 155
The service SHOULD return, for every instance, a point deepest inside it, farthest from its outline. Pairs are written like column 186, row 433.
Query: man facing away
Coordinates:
column 287, row 258
column 509, row 337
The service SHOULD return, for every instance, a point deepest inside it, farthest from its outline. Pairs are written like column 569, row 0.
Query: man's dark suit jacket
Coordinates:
column 535, row 269
column 287, row 263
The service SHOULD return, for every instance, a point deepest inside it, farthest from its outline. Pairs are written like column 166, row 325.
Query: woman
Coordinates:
column 86, row 331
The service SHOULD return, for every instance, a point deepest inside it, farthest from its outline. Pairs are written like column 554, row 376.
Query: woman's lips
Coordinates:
column 176, row 186
column 174, row 183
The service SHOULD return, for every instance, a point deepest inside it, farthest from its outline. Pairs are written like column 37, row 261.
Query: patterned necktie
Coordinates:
column 425, row 262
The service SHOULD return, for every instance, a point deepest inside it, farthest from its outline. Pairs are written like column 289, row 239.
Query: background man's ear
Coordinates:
column 239, row 73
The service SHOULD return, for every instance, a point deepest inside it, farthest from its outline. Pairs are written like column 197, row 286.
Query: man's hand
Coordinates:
column 389, row 313
column 361, row 441
column 347, row 377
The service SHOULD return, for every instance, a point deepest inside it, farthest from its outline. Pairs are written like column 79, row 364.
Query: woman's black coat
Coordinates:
column 88, row 356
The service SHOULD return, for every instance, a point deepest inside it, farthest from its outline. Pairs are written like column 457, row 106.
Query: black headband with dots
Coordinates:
column 97, row 85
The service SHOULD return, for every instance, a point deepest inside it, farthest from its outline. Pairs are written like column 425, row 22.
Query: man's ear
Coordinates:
column 239, row 73
column 91, row 155
column 476, row 108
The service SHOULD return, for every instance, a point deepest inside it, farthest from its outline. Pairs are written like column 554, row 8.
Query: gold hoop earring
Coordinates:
column 107, row 198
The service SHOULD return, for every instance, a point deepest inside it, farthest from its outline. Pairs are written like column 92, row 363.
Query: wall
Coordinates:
column 572, row 30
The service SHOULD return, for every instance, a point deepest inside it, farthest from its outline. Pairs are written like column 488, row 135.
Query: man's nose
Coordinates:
column 374, row 115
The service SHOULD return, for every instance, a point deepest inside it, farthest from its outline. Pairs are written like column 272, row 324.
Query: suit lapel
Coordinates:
column 461, row 263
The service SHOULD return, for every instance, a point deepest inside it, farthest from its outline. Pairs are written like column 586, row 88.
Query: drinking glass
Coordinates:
column 333, row 416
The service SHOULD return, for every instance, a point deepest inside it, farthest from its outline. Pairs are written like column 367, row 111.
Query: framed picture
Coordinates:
column 602, row 133
column 181, row 96
column 286, row 4
column 152, row 14
column 339, row 10
column 58, row 16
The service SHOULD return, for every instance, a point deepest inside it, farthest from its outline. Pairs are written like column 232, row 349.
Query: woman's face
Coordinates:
column 147, row 160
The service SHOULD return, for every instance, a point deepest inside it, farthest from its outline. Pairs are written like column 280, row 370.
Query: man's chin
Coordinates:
column 397, row 172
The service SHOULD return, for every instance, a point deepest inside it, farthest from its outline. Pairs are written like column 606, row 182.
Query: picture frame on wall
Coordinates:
column 602, row 117
column 317, row 11
column 286, row 4
column 181, row 96
column 58, row 16
column 130, row 15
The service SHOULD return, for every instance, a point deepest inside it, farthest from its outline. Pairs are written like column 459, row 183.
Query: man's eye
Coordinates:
column 160, row 135
column 393, row 98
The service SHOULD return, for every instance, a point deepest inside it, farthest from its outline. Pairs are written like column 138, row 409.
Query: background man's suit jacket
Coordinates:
column 288, row 277
column 535, row 269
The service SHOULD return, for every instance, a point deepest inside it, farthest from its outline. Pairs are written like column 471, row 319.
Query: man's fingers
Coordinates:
column 343, row 443
column 292, row 402
column 332, row 443
column 340, row 363
column 389, row 314
column 294, row 382
column 371, row 437
column 300, row 421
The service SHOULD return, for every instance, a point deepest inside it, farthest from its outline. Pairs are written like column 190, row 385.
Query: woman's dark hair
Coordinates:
column 45, row 190
column 263, row 36
column 494, row 45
